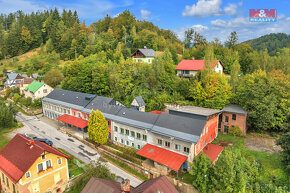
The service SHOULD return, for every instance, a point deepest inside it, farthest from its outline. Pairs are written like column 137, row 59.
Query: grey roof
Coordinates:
column 12, row 76
column 234, row 109
column 196, row 110
column 140, row 101
column 71, row 97
column 149, row 118
column 147, row 52
column 35, row 75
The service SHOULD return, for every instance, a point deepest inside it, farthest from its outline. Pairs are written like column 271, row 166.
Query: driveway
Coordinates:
column 33, row 125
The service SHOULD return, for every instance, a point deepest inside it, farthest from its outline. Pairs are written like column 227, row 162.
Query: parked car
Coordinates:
column 48, row 142
column 32, row 136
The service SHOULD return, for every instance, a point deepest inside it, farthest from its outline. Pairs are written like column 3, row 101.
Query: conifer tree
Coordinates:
column 98, row 130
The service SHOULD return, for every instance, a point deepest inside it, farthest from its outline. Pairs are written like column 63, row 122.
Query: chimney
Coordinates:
column 30, row 144
column 125, row 186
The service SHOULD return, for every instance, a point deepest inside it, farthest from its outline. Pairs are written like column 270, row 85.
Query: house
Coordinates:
column 36, row 90
column 138, row 103
column 188, row 68
column 159, row 184
column 234, row 115
column 144, row 55
column 178, row 135
column 13, row 80
column 28, row 165
column 24, row 83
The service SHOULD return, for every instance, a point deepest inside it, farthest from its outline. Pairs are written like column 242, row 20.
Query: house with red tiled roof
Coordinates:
column 188, row 68
column 28, row 165
column 159, row 184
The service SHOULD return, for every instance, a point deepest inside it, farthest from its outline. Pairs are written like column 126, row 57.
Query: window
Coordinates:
column 3, row 178
column 44, row 90
column 234, row 117
column 122, row 141
column 204, row 143
column 186, row 149
column 39, row 167
column 64, row 110
column 177, row 147
column 122, row 130
column 116, row 139
column 167, row 144
column 38, row 92
column 209, row 138
column 59, row 160
column 7, row 182
column 132, row 133
column 127, row 142
column 116, row 129
column 138, row 135
column 159, row 141
column 138, row 146
column 127, row 132
column 27, row 174
column 149, row 60
column 74, row 113
column 68, row 111
column 43, row 156
column 226, row 129
column 133, row 144
column 145, row 137
column 206, row 129
column 227, row 119
column 185, row 71
column 79, row 115
column 109, row 123
column 14, row 190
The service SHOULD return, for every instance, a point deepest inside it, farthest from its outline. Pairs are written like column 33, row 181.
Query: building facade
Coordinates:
column 144, row 55
column 36, row 90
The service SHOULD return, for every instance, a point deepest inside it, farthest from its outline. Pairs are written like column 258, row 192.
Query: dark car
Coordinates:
column 29, row 135
column 48, row 142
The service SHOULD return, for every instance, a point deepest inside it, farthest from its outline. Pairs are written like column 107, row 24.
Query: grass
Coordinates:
column 4, row 139
column 271, row 163
column 187, row 178
column 125, row 167
column 73, row 167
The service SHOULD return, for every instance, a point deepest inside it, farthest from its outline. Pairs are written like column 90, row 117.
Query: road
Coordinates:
column 81, row 151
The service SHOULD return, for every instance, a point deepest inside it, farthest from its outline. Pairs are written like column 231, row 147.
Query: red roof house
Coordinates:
column 188, row 68
column 213, row 151
column 20, row 154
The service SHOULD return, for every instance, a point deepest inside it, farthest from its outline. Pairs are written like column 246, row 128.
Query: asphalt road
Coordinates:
column 81, row 151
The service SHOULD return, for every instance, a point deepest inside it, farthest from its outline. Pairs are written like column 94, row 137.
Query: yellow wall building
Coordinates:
column 32, row 166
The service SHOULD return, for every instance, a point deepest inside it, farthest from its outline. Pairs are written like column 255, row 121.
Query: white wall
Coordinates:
column 218, row 68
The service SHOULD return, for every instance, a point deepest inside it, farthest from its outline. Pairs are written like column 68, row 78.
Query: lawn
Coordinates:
column 271, row 163
column 3, row 138
column 73, row 164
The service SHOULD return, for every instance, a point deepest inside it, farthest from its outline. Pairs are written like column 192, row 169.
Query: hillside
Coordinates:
column 272, row 42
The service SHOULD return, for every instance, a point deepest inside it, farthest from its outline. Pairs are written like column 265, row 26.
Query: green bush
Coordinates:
column 236, row 131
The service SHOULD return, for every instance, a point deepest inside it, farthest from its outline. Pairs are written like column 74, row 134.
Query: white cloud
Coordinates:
column 145, row 14
column 206, row 8
column 8, row 6
column 203, row 8
column 199, row 28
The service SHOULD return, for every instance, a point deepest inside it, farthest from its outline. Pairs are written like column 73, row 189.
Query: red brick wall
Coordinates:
column 241, row 121
column 208, row 136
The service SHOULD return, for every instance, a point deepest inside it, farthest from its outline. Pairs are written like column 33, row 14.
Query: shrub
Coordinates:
column 236, row 131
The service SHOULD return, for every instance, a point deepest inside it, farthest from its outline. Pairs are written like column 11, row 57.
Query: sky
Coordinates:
column 211, row 18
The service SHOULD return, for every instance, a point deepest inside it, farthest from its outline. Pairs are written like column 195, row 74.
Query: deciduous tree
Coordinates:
column 98, row 130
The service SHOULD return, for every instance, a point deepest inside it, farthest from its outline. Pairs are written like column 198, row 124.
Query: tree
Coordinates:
column 235, row 71
column 284, row 142
column 49, row 46
column 53, row 77
column 188, row 37
column 232, row 41
column 97, row 170
column 201, row 172
column 98, row 130
column 16, row 98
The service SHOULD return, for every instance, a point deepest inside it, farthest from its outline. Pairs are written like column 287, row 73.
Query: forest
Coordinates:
column 97, row 59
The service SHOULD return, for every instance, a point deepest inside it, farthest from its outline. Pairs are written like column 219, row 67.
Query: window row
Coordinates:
column 127, row 143
column 234, row 117
column 8, row 184
column 132, row 133
column 58, row 109
column 168, row 144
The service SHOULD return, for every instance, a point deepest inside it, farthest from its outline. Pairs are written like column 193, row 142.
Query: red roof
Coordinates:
column 192, row 65
column 75, row 121
column 213, row 151
column 20, row 154
column 157, row 112
column 163, row 156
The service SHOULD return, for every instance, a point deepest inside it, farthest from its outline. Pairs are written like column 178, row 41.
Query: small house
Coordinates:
column 37, row 90
column 188, row 68
column 144, row 55
column 234, row 115
column 138, row 103
column 13, row 80
column 24, row 83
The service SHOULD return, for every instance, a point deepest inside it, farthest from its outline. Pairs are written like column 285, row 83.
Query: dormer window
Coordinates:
column 43, row 156
column 27, row 174
column 59, row 161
